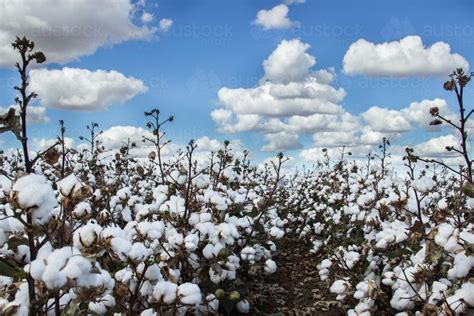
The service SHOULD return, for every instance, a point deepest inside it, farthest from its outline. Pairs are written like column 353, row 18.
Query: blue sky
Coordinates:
column 216, row 44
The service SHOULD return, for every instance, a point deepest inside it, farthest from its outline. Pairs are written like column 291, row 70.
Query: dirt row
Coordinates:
column 295, row 289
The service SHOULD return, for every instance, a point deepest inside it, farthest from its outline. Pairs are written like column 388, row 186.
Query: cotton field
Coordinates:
column 89, row 235
column 135, row 230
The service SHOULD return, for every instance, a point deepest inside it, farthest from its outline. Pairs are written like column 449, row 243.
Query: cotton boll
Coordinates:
column 452, row 245
column 165, row 292
column 201, row 181
column 389, row 278
column 365, row 198
column 217, row 248
column 189, row 294
column 34, row 193
column 216, row 199
column 271, row 245
column 243, row 306
column 261, row 252
column 226, row 232
column 470, row 203
column 103, row 304
column 362, row 289
column 467, row 235
column 399, row 300
column 81, row 209
column 208, row 251
column 97, row 194
column 142, row 211
column 69, row 185
column 138, row 252
column 351, row 258
column 193, row 219
column 191, row 242
column 437, row 290
column 363, row 308
column 76, row 266
column 445, row 230
column 174, row 275
column 125, row 213
column 96, row 278
column 148, row 312
column 396, row 231
column 248, row 254
column 124, row 193
column 151, row 230
column 206, row 229
column 193, row 260
column 270, row 266
column 324, row 274
column 341, row 288
column 36, row 269
column 424, row 184
column 160, row 195
column 218, row 275
column 442, row 204
column 5, row 186
column 174, row 239
column 124, row 275
column 121, row 246
column 53, row 278
column 462, row 298
column 326, row 263
column 153, row 273
column 212, row 303
column 462, row 265
column 182, row 179
column 22, row 300
column 22, row 254
column 205, row 217
column 233, row 263
column 317, row 244
column 87, row 235
column 276, row 232
column 174, row 205
column 48, row 267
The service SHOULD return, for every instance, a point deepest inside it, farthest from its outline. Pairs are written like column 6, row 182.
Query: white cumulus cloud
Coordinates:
column 117, row 136
column 274, row 18
column 288, row 62
column 165, row 25
column 283, row 100
column 386, row 120
column 406, row 57
column 147, row 17
column 207, row 144
column 83, row 90
column 418, row 112
column 436, row 147
column 289, row 99
column 67, row 29
column 282, row 141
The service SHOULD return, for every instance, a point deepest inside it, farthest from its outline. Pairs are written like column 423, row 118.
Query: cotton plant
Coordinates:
column 111, row 237
column 385, row 241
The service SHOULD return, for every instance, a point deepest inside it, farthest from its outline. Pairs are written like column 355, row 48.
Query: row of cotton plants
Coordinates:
column 92, row 235
column 88, row 230
column 388, row 242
